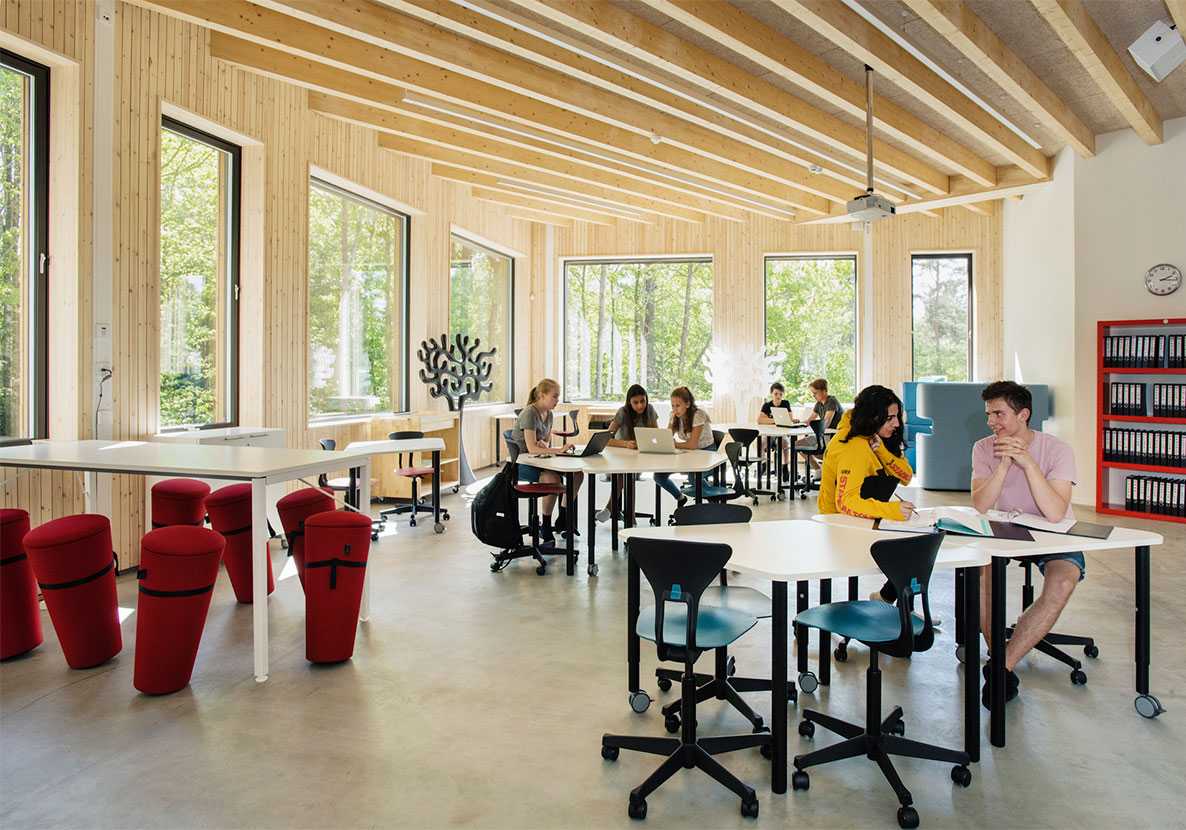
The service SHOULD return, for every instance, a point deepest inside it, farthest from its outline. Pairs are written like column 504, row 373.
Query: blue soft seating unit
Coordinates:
column 913, row 423
column 956, row 413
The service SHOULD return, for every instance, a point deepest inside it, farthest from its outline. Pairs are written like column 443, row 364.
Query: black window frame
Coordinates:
column 510, row 301
column 234, row 228
column 971, row 309
column 40, row 263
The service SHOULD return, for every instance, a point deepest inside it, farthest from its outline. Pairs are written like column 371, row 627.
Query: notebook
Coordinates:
column 1067, row 527
column 956, row 521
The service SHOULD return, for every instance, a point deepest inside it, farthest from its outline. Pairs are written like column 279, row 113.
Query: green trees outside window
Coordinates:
column 811, row 318
column 942, row 312
column 647, row 322
column 481, row 285
column 357, row 287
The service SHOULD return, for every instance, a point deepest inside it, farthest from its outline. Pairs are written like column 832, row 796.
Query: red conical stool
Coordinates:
column 294, row 509
column 178, row 569
column 20, row 615
column 179, row 501
column 75, row 570
column 229, row 509
column 336, row 547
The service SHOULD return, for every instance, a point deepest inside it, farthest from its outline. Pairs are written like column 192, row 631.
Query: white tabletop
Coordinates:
column 387, row 445
column 797, row 549
column 1121, row 538
column 226, row 433
column 622, row 460
column 769, row 430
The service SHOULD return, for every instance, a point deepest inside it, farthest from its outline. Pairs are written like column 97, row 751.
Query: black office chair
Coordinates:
column 1049, row 645
column 722, row 684
column 532, row 492
column 892, row 629
column 406, row 467
column 746, row 438
column 342, row 485
column 716, row 490
column 813, row 450
column 571, row 429
column 682, row 629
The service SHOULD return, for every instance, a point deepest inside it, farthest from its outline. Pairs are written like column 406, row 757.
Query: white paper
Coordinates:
column 1031, row 521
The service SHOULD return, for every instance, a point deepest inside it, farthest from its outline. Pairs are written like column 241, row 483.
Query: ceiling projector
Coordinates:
column 1159, row 51
column 869, row 206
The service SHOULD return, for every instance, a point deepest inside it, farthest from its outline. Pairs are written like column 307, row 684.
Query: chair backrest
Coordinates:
column 328, row 444
column 908, row 562
column 512, row 447
column 733, row 453
column 678, row 572
column 745, row 437
column 711, row 513
column 405, row 435
column 718, row 436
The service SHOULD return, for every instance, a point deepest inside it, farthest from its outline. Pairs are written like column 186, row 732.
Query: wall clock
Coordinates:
column 1163, row 279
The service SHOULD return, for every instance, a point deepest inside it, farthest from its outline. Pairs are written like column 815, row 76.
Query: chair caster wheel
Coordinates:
column 897, row 728
column 1091, row 651
column 961, row 776
column 438, row 528
column 1078, row 678
column 749, row 807
column 593, row 570
column 412, row 523
column 671, row 723
column 840, row 653
column 637, row 808
column 808, row 682
column 731, row 667
column 1148, row 706
column 541, row 569
column 960, row 653
column 664, row 684
column 456, row 489
column 375, row 536
column 494, row 567
column 800, row 780
column 907, row 818
column 807, row 729
column 640, row 701
column 610, row 753
column 767, row 751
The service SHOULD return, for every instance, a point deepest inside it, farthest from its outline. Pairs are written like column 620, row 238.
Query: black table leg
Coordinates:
column 633, row 580
column 699, row 488
column 969, row 580
column 436, row 489
column 615, row 490
column 570, row 520
column 778, row 692
column 801, row 599
column 825, row 637
column 960, row 635
column 792, row 439
column 629, row 520
column 1142, row 634
column 997, row 651
column 591, row 528
column 853, row 588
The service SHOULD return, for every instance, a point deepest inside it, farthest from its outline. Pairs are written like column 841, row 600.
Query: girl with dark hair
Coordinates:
column 637, row 412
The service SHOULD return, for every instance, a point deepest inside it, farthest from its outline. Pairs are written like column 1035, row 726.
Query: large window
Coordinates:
column 199, row 278
column 647, row 322
column 358, row 266
column 811, row 318
column 24, row 246
column 942, row 311
column 481, row 287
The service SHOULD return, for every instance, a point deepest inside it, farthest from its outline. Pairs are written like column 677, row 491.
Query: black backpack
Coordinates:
column 494, row 514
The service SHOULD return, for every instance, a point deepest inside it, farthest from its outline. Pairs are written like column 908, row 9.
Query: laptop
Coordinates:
column 782, row 417
column 655, row 440
column 596, row 444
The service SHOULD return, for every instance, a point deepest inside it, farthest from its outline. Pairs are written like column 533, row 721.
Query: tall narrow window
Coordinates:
column 647, row 322
column 942, row 289
column 24, row 246
column 199, row 278
column 811, row 318
column 481, row 288
column 357, row 328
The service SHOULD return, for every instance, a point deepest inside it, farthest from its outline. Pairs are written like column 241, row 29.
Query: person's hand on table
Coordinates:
column 631, row 445
column 908, row 509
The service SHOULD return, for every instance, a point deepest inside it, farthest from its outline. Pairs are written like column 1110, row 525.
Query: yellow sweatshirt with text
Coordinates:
column 846, row 466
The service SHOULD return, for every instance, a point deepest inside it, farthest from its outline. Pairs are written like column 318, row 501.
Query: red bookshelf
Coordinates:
column 1109, row 489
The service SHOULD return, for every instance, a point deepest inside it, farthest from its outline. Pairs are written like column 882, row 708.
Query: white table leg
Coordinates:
column 91, row 479
column 259, row 575
column 364, row 504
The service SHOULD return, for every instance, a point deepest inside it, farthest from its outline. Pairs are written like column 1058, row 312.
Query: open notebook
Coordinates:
column 961, row 521
column 1069, row 527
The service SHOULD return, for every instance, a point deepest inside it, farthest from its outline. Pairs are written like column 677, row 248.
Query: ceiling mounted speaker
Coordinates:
column 1159, row 51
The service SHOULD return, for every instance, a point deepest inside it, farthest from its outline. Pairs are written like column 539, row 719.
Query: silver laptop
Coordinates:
column 782, row 417
column 655, row 440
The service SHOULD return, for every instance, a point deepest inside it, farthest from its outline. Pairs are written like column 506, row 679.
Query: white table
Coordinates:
column 1001, row 551
column 258, row 465
column 799, row 551
column 619, row 462
column 779, row 435
column 409, row 445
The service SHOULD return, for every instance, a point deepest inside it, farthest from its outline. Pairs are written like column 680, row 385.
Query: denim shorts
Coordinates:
column 1075, row 557
column 528, row 475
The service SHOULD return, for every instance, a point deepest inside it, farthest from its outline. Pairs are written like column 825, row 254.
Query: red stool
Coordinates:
column 76, row 573
column 229, row 509
column 179, row 501
column 20, row 615
column 336, row 546
column 178, row 569
column 294, row 509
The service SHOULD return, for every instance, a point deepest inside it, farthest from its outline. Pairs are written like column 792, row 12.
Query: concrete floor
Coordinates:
column 478, row 700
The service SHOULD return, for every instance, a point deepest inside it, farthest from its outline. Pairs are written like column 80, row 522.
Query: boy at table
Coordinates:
column 1023, row 470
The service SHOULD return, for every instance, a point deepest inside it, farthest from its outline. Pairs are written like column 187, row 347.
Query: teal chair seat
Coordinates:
column 862, row 620
column 715, row 627
column 748, row 601
column 708, row 491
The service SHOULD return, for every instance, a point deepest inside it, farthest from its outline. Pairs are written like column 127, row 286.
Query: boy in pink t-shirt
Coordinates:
column 1017, row 468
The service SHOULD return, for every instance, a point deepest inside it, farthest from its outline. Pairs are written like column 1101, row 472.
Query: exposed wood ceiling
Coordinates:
column 641, row 110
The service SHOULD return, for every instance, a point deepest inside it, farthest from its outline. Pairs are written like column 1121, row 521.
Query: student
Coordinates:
column 1018, row 468
column 693, row 431
column 637, row 412
column 777, row 401
column 826, row 409
column 533, row 436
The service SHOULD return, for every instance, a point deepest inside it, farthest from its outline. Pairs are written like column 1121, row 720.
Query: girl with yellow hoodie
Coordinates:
column 868, row 442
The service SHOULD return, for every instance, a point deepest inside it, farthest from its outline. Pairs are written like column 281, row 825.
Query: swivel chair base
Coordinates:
column 722, row 686
column 1049, row 644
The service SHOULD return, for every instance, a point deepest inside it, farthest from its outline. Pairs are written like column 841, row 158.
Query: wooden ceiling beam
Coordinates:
column 526, row 190
column 297, row 60
column 834, row 145
column 1091, row 48
column 540, row 218
column 488, row 142
column 774, row 52
column 1178, row 12
column 960, row 26
column 544, row 205
column 861, row 39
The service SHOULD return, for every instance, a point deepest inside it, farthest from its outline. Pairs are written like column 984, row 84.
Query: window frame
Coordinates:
column 405, row 314
column 676, row 259
column 234, row 234
column 971, row 307
column 856, row 301
column 37, row 421
column 461, row 237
